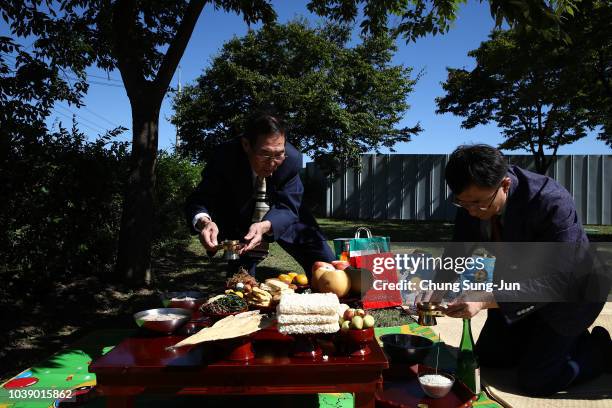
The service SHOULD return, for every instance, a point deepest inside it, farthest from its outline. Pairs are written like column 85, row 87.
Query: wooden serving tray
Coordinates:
column 401, row 389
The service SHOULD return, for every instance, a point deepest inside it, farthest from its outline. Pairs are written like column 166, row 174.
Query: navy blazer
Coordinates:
column 226, row 193
column 539, row 209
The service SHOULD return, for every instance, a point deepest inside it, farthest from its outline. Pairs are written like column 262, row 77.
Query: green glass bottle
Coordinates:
column 468, row 370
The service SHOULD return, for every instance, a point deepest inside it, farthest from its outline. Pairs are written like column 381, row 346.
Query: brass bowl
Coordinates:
column 162, row 326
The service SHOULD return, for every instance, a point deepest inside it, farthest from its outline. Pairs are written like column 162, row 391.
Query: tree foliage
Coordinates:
column 589, row 55
column 537, row 90
column 61, row 204
column 61, row 208
column 417, row 18
column 338, row 101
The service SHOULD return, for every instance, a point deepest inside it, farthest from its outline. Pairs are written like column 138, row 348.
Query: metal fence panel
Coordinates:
column 412, row 187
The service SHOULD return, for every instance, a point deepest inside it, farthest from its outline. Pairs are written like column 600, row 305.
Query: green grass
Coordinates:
column 397, row 230
column 598, row 229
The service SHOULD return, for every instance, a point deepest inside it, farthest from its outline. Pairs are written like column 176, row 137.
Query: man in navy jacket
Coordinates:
column 548, row 341
column 224, row 203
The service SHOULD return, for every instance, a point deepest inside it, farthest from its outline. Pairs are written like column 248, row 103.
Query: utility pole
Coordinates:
column 178, row 140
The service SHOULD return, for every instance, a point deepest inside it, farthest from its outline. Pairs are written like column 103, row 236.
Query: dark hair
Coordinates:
column 262, row 124
column 480, row 165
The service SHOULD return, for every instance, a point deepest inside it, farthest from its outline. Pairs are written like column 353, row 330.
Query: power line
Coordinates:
column 81, row 124
column 100, row 117
column 80, row 117
column 14, row 59
column 107, row 79
column 114, row 125
column 92, row 112
column 102, row 83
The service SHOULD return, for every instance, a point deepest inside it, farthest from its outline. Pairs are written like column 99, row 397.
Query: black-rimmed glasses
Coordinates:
column 467, row 206
column 276, row 158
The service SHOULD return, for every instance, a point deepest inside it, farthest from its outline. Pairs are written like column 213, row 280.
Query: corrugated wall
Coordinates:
column 412, row 187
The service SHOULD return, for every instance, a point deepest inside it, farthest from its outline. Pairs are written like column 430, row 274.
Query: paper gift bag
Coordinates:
column 358, row 246
column 378, row 272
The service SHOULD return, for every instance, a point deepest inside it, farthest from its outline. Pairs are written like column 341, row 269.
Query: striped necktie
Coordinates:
column 261, row 203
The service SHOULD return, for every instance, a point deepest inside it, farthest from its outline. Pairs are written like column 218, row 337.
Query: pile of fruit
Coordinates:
column 265, row 294
column 293, row 278
column 356, row 319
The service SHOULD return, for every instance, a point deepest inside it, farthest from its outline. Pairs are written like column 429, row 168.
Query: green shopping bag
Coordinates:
column 359, row 246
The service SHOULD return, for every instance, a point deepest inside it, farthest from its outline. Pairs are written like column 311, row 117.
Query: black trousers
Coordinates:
column 305, row 254
column 540, row 352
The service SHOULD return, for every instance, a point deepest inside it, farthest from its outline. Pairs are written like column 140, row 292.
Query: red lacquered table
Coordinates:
column 142, row 365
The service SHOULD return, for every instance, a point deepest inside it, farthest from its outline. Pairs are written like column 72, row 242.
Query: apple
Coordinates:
column 324, row 265
column 346, row 325
column 360, row 312
column 357, row 323
column 349, row 314
column 318, row 269
column 368, row 321
column 341, row 265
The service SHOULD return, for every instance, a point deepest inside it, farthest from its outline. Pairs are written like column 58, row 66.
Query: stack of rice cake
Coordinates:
column 309, row 313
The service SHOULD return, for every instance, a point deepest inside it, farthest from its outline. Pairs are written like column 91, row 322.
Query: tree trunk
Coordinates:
column 540, row 162
column 136, row 235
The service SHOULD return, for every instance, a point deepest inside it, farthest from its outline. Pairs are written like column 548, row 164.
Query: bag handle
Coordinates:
column 367, row 231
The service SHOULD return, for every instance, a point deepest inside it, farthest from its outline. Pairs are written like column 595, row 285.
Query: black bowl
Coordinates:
column 406, row 348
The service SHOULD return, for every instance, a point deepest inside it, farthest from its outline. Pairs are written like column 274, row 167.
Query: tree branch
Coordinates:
column 551, row 113
column 555, row 148
column 529, row 131
column 540, row 135
column 177, row 47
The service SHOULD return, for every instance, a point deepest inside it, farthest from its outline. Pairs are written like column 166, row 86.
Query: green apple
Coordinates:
column 368, row 321
column 357, row 323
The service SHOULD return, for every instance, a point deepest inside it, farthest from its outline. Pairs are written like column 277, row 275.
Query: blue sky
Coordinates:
column 107, row 103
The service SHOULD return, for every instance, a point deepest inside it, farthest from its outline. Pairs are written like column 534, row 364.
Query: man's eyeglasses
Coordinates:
column 275, row 158
column 477, row 204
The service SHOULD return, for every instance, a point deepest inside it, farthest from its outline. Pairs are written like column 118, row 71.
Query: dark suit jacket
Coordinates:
column 539, row 209
column 226, row 193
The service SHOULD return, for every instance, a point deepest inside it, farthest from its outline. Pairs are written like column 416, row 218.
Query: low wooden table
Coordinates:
column 142, row 365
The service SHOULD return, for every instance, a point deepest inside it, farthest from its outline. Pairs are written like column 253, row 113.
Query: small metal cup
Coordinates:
column 427, row 312
column 230, row 248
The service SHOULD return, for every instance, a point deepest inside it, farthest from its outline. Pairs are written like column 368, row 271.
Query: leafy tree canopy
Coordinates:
column 540, row 92
column 416, row 18
column 338, row 101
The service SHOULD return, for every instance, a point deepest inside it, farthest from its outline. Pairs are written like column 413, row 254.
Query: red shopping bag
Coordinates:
column 379, row 280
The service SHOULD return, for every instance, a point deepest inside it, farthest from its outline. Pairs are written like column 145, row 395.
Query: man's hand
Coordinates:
column 461, row 308
column 464, row 310
column 208, row 234
column 255, row 235
column 433, row 296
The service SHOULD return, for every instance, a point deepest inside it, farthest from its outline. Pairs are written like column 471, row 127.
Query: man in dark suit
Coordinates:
column 251, row 191
column 548, row 341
